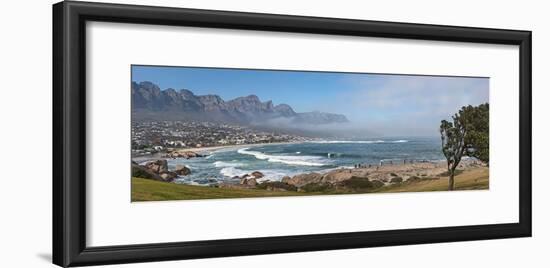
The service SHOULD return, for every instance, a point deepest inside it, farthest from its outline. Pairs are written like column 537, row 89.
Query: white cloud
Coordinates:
column 406, row 105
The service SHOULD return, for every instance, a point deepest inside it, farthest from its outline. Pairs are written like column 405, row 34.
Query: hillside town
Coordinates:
column 150, row 137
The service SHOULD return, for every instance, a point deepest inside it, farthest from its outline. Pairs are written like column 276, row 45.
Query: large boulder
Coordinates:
column 257, row 174
column 168, row 176
column 303, row 179
column 184, row 154
column 249, row 181
column 182, row 170
column 339, row 175
column 361, row 183
column 276, row 186
column 285, row 179
column 158, row 166
column 142, row 172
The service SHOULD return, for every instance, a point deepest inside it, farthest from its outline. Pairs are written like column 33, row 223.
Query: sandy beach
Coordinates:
column 228, row 147
column 201, row 150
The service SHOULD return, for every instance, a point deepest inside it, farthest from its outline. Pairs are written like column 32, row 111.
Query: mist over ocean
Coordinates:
column 278, row 160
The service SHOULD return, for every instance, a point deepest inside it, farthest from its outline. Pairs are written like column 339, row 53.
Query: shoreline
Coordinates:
column 233, row 146
column 384, row 172
column 211, row 149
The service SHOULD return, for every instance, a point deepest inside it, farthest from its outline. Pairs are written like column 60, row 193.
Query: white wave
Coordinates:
column 232, row 172
column 298, row 152
column 289, row 160
column 365, row 142
column 273, row 175
column 330, row 142
column 269, row 175
column 226, row 164
column 208, row 157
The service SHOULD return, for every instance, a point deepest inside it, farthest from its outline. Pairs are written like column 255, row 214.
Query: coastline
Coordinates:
column 233, row 146
column 209, row 150
column 391, row 176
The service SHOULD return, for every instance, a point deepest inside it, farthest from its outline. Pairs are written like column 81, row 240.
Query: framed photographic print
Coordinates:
column 185, row 133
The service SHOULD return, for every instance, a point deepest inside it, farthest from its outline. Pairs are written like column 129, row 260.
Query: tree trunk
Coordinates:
column 452, row 180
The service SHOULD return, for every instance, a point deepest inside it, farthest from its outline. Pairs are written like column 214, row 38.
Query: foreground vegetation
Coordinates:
column 475, row 179
column 151, row 190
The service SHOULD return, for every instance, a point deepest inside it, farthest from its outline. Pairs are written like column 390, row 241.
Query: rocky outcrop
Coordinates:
column 303, row 179
column 142, row 172
column 158, row 170
column 277, row 186
column 257, row 174
column 168, row 176
column 248, row 181
column 339, row 175
column 158, row 166
column 182, row 154
column 182, row 170
column 285, row 179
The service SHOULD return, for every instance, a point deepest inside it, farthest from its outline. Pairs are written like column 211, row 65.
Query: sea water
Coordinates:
column 278, row 160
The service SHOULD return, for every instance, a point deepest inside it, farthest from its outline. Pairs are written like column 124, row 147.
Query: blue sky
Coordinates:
column 383, row 104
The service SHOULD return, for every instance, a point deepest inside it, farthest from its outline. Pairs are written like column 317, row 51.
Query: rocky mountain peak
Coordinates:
column 149, row 102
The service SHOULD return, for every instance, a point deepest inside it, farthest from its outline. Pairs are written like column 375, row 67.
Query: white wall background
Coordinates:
column 25, row 133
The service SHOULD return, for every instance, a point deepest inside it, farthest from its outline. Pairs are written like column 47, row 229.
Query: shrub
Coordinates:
column 276, row 184
column 140, row 172
column 396, row 180
column 418, row 179
column 358, row 183
column 447, row 174
column 316, row 187
column 377, row 184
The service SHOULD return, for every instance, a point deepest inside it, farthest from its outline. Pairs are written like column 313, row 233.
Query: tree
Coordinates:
column 466, row 135
column 477, row 131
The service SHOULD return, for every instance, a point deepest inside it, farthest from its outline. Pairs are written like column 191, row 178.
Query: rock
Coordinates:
column 182, row 170
column 361, row 183
column 168, row 176
column 339, row 175
column 251, row 182
column 234, row 186
column 257, row 174
column 157, row 166
column 285, row 179
column 377, row 184
column 303, row 179
column 183, row 154
column 248, row 180
column 316, row 187
column 396, row 180
column 142, row 172
column 276, row 186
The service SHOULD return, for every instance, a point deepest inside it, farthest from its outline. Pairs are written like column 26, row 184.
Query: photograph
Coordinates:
column 209, row 133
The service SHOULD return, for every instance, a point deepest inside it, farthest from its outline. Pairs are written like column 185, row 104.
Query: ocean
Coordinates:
column 278, row 160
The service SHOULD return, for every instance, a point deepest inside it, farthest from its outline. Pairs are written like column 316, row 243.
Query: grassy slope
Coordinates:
column 150, row 190
column 476, row 179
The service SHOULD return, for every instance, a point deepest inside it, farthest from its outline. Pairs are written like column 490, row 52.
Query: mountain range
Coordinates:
column 149, row 102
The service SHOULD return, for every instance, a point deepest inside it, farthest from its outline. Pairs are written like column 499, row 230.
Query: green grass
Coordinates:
column 477, row 179
column 151, row 190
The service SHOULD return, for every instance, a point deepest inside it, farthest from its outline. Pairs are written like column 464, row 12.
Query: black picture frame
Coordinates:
column 69, row 133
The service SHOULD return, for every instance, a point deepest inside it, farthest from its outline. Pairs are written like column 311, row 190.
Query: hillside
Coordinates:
column 149, row 102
